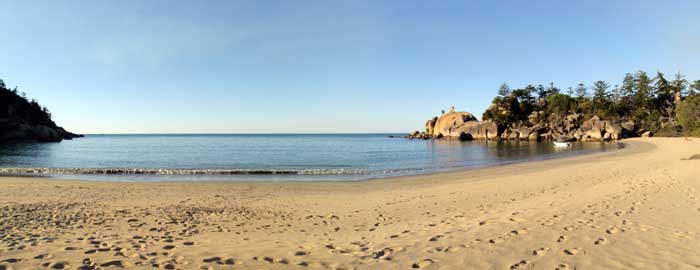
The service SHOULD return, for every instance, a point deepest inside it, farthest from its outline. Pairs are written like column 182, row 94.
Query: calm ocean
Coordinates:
column 291, row 157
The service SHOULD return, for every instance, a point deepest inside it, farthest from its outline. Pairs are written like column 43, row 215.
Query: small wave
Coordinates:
column 117, row 171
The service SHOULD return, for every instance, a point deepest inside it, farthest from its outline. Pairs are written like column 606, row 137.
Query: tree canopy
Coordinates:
column 656, row 104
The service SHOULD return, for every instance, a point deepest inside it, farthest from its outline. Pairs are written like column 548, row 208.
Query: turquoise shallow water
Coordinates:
column 265, row 157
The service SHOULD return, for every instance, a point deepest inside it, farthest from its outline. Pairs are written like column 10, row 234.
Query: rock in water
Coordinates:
column 446, row 123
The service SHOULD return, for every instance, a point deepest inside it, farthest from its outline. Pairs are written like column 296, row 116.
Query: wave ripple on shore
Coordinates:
column 117, row 171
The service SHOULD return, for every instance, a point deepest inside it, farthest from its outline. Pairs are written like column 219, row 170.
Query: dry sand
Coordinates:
column 637, row 208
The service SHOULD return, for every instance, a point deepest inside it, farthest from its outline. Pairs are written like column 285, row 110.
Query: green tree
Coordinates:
column 628, row 87
column 680, row 85
column 559, row 104
column 664, row 92
column 601, row 97
column 553, row 90
column 570, row 91
column 616, row 93
column 662, row 85
column 694, row 88
column 688, row 115
column 504, row 90
column 643, row 89
column 541, row 91
column 581, row 91
column 600, row 91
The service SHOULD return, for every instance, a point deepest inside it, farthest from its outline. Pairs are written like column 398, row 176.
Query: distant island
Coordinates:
column 641, row 106
column 22, row 119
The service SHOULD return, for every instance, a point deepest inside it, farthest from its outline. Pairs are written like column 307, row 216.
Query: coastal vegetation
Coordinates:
column 17, row 104
column 641, row 105
column 24, row 119
column 665, row 107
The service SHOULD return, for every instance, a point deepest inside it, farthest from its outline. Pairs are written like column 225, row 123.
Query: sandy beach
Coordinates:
column 636, row 208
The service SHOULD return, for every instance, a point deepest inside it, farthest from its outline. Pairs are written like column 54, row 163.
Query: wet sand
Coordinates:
column 636, row 208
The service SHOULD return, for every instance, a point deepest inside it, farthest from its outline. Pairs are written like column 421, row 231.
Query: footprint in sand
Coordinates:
column 495, row 240
column 540, row 251
column 601, row 241
column 571, row 251
column 518, row 232
column 423, row 263
column 612, row 230
column 58, row 265
column 435, row 238
column 561, row 239
column 118, row 264
column 212, row 259
column 519, row 265
column 562, row 266
column 43, row 256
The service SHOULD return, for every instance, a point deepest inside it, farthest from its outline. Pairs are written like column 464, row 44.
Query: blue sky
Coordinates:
column 321, row 66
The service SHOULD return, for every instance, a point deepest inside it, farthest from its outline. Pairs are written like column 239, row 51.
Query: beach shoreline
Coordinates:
column 598, row 210
column 317, row 175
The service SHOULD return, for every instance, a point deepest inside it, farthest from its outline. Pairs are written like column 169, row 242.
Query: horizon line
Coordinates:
column 249, row 133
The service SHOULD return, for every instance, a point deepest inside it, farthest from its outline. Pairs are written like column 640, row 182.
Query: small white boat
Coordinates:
column 562, row 144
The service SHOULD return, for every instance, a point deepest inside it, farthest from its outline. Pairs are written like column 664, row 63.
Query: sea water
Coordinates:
column 266, row 157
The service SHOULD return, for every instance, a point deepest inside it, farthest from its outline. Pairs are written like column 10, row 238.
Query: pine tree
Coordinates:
column 616, row 93
column 504, row 90
column 643, row 91
column 541, row 91
column 600, row 98
column 600, row 91
column 662, row 85
column 581, row 90
column 628, row 88
column 570, row 91
column 664, row 91
column 552, row 90
column 680, row 85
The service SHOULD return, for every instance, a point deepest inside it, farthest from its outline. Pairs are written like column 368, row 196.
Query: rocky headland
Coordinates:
column 23, row 120
column 570, row 127
column 641, row 106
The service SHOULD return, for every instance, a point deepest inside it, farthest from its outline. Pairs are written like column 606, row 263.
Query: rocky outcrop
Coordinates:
column 447, row 123
column 430, row 125
column 457, row 125
column 569, row 127
column 16, row 130
column 25, row 120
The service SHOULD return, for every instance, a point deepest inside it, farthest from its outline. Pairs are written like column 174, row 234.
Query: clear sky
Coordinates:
column 321, row 66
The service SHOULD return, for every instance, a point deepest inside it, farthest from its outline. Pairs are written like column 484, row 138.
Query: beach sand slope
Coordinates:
column 637, row 208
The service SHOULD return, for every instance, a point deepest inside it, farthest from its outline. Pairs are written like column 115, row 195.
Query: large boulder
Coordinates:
column 615, row 130
column 593, row 129
column 628, row 126
column 430, row 125
column 446, row 124
column 457, row 125
column 534, row 136
column 479, row 130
